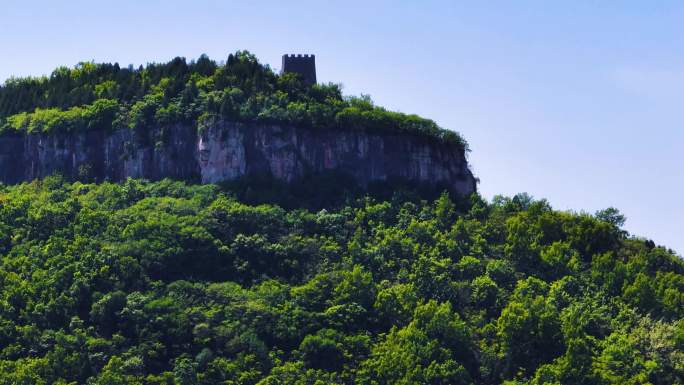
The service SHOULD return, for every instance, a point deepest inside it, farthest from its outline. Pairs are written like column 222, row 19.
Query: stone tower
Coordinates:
column 303, row 65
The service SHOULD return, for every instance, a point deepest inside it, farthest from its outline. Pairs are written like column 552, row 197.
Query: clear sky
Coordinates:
column 579, row 103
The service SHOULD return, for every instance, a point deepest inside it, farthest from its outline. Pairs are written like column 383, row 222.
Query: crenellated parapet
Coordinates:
column 304, row 65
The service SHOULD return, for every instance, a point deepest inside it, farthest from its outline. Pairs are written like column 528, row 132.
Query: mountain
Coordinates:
column 205, row 122
column 326, row 276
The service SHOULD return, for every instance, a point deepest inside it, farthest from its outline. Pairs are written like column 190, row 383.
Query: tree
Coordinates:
column 427, row 350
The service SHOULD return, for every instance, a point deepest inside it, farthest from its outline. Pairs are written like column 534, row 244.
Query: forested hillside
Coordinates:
column 168, row 283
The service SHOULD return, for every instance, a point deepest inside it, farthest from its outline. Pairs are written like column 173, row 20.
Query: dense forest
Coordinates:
column 106, row 96
column 320, row 281
column 168, row 283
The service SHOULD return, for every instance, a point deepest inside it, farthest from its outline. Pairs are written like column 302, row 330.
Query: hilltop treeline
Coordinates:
column 107, row 96
column 168, row 283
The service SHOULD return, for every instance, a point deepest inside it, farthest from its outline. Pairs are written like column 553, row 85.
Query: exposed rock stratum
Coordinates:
column 229, row 150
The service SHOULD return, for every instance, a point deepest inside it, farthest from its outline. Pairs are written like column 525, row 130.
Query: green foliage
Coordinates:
column 100, row 114
column 102, row 96
column 427, row 351
column 168, row 283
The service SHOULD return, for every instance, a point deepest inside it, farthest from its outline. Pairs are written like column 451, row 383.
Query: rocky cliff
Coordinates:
column 227, row 151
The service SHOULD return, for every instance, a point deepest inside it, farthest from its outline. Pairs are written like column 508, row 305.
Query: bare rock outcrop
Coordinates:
column 229, row 150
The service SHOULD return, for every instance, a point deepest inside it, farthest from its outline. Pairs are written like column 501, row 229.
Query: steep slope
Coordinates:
column 228, row 151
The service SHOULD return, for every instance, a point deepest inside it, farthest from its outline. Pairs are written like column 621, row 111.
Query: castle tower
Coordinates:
column 303, row 65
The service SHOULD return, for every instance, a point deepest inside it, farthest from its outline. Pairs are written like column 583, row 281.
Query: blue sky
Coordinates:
column 576, row 102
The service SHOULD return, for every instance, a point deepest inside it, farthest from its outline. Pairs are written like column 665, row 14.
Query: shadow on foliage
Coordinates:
column 331, row 189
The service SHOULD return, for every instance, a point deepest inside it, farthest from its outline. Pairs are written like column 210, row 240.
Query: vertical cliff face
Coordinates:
column 227, row 151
